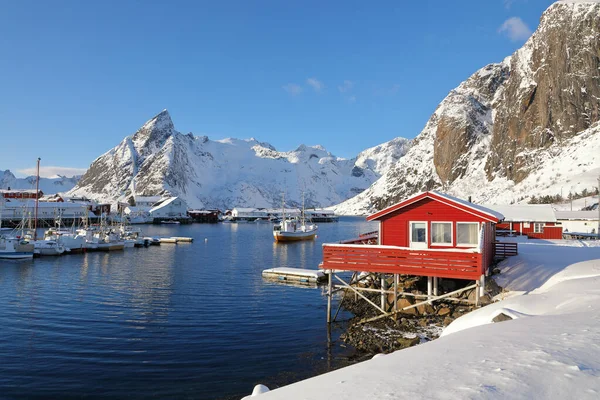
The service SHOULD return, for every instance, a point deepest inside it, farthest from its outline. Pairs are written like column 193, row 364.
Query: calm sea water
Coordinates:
column 172, row 321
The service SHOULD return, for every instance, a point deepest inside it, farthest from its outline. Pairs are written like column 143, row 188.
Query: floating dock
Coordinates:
column 294, row 275
column 176, row 239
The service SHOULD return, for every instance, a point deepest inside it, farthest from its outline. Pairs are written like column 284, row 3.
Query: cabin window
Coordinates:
column 538, row 227
column 441, row 233
column 467, row 233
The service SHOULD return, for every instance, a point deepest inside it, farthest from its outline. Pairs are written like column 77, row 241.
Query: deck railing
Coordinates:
column 506, row 249
column 454, row 263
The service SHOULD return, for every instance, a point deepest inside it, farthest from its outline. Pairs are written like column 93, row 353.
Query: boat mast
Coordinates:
column 282, row 208
column 37, row 191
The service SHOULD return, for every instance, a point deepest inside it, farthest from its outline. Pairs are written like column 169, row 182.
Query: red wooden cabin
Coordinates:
column 430, row 234
column 537, row 221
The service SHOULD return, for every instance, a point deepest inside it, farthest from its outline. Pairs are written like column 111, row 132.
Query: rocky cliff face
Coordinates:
column 158, row 160
column 525, row 126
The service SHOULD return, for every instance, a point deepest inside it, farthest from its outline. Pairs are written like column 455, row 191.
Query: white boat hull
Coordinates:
column 8, row 255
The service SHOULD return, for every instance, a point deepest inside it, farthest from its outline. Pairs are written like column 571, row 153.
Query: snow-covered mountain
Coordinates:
column 526, row 126
column 158, row 160
column 47, row 185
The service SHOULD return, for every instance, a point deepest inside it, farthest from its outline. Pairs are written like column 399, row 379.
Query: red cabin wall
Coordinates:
column 395, row 226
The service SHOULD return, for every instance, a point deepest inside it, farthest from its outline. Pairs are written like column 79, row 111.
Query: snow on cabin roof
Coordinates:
column 483, row 209
column 460, row 204
column 147, row 199
column 576, row 215
column 525, row 212
column 163, row 203
column 8, row 191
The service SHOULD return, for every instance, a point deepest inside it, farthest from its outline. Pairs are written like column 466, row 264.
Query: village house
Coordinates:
column 430, row 234
column 536, row 221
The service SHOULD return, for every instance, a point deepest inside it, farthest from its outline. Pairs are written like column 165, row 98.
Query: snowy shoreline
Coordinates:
column 548, row 350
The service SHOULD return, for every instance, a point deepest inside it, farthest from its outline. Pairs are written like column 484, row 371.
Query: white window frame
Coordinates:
column 410, row 241
column 539, row 225
column 468, row 244
column 451, row 233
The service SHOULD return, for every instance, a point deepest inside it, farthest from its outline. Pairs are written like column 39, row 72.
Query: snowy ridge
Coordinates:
column 158, row 160
column 47, row 185
column 527, row 126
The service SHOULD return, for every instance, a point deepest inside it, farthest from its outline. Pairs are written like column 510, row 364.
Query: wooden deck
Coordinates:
column 448, row 263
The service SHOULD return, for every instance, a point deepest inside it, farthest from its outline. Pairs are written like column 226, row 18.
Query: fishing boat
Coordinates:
column 47, row 248
column 170, row 221
column 294, row 229
column 15, row 249
column 73, row 242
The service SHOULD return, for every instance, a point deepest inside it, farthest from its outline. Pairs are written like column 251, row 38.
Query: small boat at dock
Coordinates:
column 15, row 249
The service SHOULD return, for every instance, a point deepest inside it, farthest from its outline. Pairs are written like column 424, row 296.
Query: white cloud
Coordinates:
column 316, row 84
column 293, row 89
column 508, row 3
column 346, row 87
column 53, row 172
column 387, row 91
column 352, row 99
column 515, row 29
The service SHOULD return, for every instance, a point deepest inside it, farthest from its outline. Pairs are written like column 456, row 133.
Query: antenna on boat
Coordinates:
column 37, row 191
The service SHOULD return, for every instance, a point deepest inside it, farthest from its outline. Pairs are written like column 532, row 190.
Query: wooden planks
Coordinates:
column 506, row 249
column 388, row 259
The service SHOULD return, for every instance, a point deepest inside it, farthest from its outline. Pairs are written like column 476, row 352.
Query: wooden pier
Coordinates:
column 295, row 275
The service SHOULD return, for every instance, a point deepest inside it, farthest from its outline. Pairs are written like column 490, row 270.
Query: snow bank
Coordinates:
column 548, row 350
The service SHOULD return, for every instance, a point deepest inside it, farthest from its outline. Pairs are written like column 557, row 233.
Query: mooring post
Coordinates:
column 435, row 286
column 329, row 294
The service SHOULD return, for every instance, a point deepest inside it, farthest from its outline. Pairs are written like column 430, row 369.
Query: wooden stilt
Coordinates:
column 435, row 285
column 477, row 293
column 383, row 289
column 395, row 296
column 429, row 287
column 329, row 294
column 482, row 286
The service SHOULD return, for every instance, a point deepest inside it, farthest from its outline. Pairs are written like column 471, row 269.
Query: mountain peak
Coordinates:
column 157, row 129
column 160, row 121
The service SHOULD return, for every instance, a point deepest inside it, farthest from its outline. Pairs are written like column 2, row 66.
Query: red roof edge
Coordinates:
column 433, row 196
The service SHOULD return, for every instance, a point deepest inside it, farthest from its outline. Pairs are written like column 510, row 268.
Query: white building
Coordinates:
column 169, row 208
column 578, row 221
column 249, row 213
column 146, row 201
column 16, row 210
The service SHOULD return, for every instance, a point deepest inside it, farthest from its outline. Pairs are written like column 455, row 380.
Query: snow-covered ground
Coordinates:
column 550, row 350
column 577, row 204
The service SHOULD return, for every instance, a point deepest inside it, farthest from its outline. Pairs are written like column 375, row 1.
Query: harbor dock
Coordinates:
column 295, row 275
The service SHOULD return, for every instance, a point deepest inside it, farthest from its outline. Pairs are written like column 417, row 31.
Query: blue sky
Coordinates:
column 76, row 77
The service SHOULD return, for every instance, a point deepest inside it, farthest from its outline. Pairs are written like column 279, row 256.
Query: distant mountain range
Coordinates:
column 158, row 160
column 47, row 185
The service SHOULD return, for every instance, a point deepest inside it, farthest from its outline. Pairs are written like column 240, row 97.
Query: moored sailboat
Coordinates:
column 292, row 230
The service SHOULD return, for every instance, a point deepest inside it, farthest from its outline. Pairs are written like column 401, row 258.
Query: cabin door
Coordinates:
column 418, row 235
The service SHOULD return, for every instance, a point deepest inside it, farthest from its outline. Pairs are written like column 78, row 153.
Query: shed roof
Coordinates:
column 481, row 211
column 525, row 212
column 576, row 215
